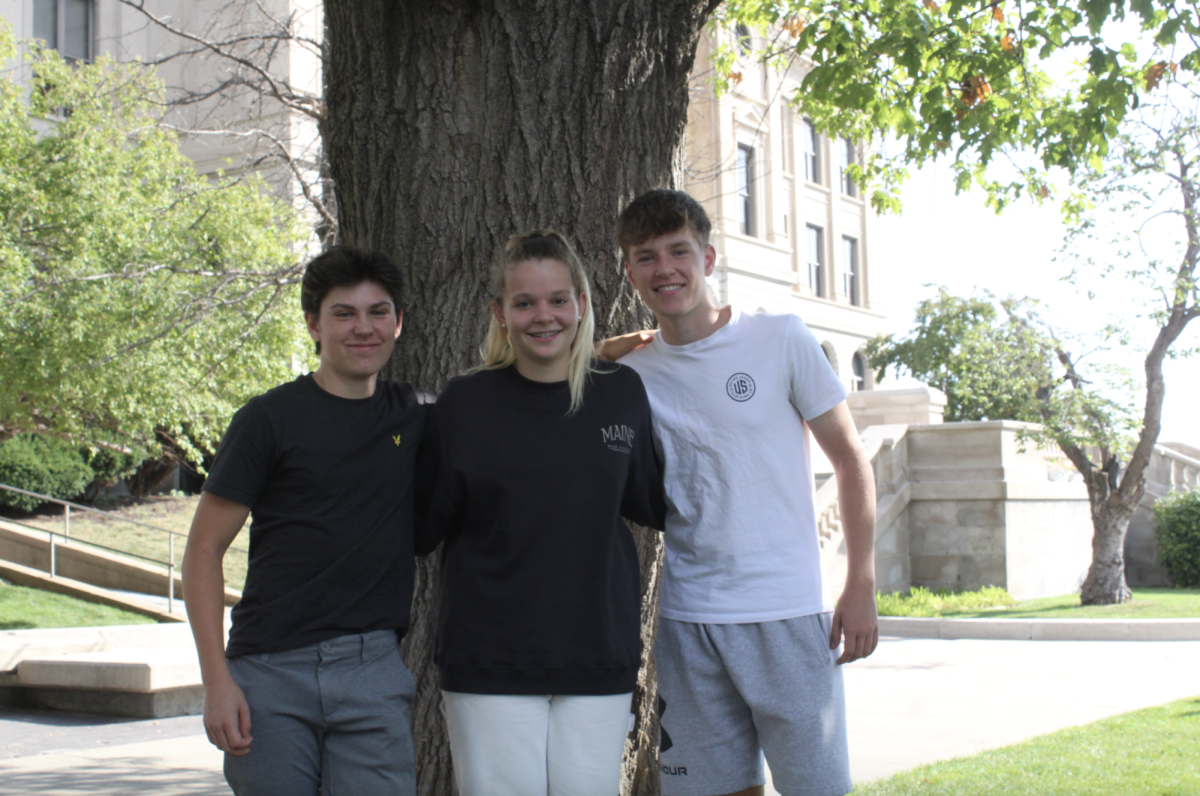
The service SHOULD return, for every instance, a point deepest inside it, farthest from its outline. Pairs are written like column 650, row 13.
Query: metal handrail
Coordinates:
column 68, row 505
column 110, row 514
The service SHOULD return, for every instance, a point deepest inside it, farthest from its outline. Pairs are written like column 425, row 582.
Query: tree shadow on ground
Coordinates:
column 119, row 777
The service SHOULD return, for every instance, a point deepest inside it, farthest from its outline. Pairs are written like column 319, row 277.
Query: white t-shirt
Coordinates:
column 741, row 536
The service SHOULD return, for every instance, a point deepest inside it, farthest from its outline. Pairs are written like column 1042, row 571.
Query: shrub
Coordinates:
column 1177, row 527
column 40, row 464
column 919, row 601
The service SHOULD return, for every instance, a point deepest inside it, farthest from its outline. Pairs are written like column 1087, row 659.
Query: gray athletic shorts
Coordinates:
column 727, row 694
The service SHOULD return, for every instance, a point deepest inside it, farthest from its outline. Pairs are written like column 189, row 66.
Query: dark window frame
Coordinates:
column 816, row 270
column 747, row 200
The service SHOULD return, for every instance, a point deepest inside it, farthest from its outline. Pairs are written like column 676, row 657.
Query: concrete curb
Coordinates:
column 1042, row 629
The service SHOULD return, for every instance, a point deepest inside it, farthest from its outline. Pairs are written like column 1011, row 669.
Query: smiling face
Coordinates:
column 356, row 327
column 541, row 311
column 668, row 272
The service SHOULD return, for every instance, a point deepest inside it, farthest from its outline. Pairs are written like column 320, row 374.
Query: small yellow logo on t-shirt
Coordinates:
column 396, row 439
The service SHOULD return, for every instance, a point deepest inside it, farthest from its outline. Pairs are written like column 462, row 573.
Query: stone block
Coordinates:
column 186, row 701
column 1010, row 629
column 142, row 670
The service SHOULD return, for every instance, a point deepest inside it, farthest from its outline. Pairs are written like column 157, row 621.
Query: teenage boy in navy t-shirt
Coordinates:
column 311, row 694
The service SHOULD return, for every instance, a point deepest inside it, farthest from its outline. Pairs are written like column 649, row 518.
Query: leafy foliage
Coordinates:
column 1177, row 528
column 919, row 601
column 41, row 464
column 139, row 295
column 983, row 354
column 970, row 78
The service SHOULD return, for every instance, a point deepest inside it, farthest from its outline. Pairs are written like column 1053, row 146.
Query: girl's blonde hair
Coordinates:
column 544, row 244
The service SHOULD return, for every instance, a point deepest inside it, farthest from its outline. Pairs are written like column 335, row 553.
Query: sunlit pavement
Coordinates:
column 914, row 701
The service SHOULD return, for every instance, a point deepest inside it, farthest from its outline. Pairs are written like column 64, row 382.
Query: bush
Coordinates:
column 40, row 464
column 1177, row 527
column 919, row 601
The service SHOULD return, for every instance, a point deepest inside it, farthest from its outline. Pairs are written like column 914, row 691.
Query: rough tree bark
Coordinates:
column 452, row 125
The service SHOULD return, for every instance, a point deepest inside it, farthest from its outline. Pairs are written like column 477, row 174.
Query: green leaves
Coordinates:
column 915, row 70
column 137, row 294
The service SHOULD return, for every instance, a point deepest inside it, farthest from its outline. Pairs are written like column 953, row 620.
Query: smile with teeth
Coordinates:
column 668, row 288
column 545, row 335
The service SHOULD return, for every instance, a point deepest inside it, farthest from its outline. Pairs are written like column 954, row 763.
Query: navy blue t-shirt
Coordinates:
column 329, row 483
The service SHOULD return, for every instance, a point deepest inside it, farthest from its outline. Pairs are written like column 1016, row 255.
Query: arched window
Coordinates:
column 859, row 380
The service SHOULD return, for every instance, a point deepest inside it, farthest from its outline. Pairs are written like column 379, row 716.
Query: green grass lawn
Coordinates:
column 1150, row 752
column 998, row 604
column 22, row 608
column 171, row 513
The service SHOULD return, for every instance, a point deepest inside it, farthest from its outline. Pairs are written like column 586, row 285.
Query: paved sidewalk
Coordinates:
column 914, row 701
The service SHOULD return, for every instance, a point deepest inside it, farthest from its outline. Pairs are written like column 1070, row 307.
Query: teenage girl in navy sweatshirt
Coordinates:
column 538, row 455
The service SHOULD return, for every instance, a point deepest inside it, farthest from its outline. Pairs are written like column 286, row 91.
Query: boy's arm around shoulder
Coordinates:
column 855, row 615
column 645, row 500
column 214, row 527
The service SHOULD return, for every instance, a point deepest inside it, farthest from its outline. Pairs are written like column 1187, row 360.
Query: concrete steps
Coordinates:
column 29, row 547
column 135, row 671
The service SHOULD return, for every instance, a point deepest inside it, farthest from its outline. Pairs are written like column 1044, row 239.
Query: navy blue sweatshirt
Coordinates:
column 540, row 587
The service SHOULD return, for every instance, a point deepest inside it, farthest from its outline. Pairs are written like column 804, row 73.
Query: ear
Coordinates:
column 498, row 313
column 710, row 259
column 583, row 305
column 399, row 323
column 628, row 271
column 310, row 320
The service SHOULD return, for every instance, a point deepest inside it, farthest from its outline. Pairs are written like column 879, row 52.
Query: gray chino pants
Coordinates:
column 333, row 718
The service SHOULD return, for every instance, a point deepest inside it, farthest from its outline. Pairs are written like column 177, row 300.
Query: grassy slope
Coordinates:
column 1150, row 752
column 22, row 608
column 172, row 513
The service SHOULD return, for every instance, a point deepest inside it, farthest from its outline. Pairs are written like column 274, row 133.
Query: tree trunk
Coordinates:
column 1105, row 582
column 452, row 125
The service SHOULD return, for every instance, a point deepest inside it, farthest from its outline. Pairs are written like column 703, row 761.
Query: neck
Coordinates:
column 342, row 387
column 696, row 325
column 548, row 373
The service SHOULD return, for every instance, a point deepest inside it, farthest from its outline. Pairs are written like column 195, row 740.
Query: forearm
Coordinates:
column 856, row 503
column 204, row 595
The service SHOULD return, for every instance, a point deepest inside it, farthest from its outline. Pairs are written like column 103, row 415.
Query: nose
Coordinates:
column 362, row 324
column 542, row 312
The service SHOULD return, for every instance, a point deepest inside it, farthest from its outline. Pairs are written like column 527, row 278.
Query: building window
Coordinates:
column 816, row 260
column 742, row 34
column 850, row 286
column 785, row 128
column 747, row 212
column 66, row 26
column 858, row 381
column 849, row 158
column 812, row 157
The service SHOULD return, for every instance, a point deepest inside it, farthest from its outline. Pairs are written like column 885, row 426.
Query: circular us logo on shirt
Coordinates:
column 740, row 387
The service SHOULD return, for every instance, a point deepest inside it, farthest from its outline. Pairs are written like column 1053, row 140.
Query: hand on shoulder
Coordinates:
column 614, row 348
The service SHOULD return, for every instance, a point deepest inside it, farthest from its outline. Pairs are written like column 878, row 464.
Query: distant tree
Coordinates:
column 1000, row 360
column 980, row 351
column 143, row 302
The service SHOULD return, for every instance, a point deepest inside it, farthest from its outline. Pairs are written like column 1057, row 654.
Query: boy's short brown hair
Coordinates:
column 658, row 212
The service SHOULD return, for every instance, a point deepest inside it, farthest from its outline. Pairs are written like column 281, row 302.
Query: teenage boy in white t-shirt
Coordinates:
column 747, row 644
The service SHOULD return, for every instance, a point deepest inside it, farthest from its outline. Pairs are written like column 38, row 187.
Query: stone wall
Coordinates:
column 1172, row 466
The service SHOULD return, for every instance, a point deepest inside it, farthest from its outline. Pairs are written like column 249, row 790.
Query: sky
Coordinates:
column 957, row 242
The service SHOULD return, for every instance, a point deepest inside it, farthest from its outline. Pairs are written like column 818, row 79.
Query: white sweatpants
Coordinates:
column 533, row 745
